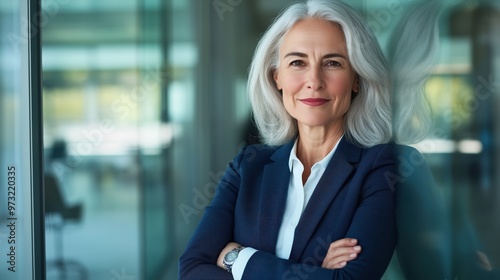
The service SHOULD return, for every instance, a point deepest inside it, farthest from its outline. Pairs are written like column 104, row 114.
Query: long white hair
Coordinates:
column 368, row 121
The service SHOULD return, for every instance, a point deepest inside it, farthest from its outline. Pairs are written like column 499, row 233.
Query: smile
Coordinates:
column 314, row 101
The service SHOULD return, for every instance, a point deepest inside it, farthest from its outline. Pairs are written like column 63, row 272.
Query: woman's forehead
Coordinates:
column 314, row 34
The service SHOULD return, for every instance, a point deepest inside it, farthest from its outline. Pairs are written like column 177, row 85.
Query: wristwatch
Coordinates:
column 231, row 257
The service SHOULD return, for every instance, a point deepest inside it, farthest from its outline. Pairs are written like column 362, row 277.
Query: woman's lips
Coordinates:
column 314, row 101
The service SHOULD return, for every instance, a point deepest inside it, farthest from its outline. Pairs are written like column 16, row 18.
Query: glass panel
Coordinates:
column 156, row 133
column 460, row 148
column 92, row 123
column 21, row 244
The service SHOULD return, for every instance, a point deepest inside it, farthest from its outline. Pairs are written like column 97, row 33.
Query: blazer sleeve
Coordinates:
column 373, row 224
column 215, row 230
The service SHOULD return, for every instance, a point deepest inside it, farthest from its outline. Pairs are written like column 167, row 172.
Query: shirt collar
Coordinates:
column 323, row 163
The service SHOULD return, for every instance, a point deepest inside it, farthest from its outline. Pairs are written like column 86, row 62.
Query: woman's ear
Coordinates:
column 276, row 79
column 355, row 86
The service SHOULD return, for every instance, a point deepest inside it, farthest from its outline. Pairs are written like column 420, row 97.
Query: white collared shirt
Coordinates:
column 296, row 201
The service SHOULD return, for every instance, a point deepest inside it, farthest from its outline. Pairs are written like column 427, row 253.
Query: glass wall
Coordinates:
column 93, row 103
column 145, row 104
column 21, row 203
column 461, row 146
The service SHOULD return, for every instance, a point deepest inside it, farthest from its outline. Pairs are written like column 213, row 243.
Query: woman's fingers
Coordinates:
column 340, row 252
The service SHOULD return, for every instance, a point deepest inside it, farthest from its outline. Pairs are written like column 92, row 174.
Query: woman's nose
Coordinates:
column 315, row 79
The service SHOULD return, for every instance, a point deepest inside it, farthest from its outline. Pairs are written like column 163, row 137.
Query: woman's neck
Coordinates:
column 313, row 146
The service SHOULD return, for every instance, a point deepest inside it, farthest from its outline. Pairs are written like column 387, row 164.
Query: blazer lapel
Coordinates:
column 334, row 177
column 274, row 192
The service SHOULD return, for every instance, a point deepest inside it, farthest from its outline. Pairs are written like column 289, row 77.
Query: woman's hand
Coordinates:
column 230, row 246
column 340, row 252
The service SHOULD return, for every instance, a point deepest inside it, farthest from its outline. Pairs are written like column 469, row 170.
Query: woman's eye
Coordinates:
column 296, row 63
column 333, row 63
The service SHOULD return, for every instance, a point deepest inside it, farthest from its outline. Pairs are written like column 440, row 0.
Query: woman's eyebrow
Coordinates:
column 330, row 55
column 295, row 54
column 333, row 55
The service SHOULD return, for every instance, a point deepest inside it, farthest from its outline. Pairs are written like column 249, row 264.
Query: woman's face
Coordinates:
column 315, row 75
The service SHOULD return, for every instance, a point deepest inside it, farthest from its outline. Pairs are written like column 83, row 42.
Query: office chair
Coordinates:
column 59, row 213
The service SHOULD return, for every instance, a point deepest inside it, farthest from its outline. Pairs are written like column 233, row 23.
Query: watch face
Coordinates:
column 230, row 257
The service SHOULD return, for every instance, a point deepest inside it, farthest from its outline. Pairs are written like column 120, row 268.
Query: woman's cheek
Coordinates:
column 293, row 84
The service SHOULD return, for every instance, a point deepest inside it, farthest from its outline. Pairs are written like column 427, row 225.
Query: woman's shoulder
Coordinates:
column 410, row 163
column 262, row 148
column 256, row 153
column 397, row 149
column 397, row 152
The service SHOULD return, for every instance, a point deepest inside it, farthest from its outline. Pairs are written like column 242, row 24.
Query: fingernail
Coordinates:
column 352, row 255
column 357, row 248
column 343, row 264
column 354, row 240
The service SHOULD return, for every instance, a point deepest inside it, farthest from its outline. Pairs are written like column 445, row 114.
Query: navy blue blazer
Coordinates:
column 354, row 198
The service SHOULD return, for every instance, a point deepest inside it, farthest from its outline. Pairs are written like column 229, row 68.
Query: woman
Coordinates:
column 316, row 202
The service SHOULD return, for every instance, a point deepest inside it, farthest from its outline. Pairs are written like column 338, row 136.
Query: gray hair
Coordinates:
column 368, row 120
column 412, row 53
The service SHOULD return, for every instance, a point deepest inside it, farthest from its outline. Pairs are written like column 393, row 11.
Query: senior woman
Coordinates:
column 315, row 202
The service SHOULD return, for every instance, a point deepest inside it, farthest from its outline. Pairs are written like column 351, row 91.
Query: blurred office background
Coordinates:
column 145, row 103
